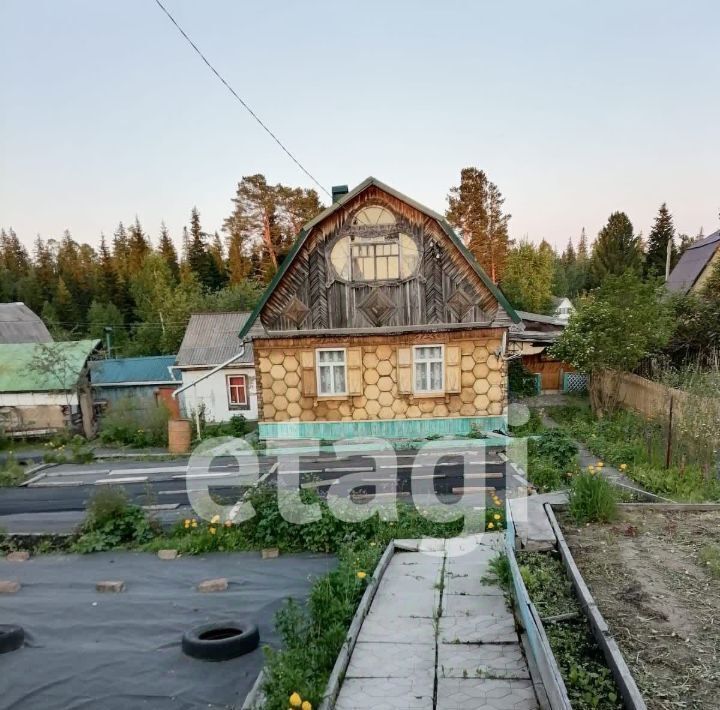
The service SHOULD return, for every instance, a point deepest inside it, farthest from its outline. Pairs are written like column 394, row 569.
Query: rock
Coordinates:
column 270, row 553
column 8, row 587
column 19, row 556
column 213, row 585
column 167, row 554
column 110, row 586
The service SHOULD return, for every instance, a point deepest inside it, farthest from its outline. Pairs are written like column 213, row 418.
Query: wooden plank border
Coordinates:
column 632, row 698
column 343, row 660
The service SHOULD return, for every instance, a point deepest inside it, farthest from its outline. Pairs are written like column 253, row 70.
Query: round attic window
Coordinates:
column 374, row 215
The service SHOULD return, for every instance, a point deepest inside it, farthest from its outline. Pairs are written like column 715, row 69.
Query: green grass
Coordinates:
column 11, row 473
column 627, row 441
column 710, row 557
column 593, row 499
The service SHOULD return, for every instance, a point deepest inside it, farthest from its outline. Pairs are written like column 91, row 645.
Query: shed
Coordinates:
column 44, row 387
column 18, row 324
column 147, row 381
column 210, row 340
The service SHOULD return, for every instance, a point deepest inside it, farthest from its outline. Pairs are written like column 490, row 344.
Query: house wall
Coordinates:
column 478, row 387
column 705, row 275
column 550, row 370
column 212, row 392
column 28, row 413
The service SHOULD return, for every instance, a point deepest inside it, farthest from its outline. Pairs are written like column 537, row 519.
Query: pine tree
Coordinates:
column 44, row 264
column 582, row 250
column 167, row 250
column 106, row 271
column 138, row 247
column 569, row 256
column 475, row 209
column 662, row 237
column 199, row 258
column 616, row 250
column 120, row 250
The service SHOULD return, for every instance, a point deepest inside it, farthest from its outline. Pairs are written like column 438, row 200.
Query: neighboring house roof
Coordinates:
column 300, row 240
column 692, row 263
column 559, row 300
column 18, row 324
column 212, row 338
column 528, row 317
column 133, row 371
column 19, row 372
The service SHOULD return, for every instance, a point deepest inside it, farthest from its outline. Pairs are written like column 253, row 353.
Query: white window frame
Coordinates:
column 332, row 366
column 426, row 364
column 237, row 405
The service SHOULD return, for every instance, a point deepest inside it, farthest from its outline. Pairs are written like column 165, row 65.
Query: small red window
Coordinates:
column 237, row 390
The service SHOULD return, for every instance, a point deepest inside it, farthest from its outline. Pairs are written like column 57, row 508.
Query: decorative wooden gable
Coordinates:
column 378, row 259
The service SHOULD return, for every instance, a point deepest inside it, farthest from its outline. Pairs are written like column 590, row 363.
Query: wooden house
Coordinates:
column 379, row 322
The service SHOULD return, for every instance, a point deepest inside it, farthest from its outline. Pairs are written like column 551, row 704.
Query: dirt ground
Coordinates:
column 660, row 598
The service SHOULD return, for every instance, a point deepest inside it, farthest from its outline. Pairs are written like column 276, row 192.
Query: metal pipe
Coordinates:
column 215, row 369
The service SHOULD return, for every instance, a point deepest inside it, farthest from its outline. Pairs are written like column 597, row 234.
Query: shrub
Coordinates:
column 11, row 472
column 237, row 426
column 521, row 382
column 556, row 446
column 592, row 499
column 124, row 423
column 112, row 522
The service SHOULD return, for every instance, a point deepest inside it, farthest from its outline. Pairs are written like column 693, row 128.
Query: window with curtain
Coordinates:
column 429, row 368
column 237, row 390
column 331, row 372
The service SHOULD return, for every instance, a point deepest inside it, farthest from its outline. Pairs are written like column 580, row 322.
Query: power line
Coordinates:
column 235, row 94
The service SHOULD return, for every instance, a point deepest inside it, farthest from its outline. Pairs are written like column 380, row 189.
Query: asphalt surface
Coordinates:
column 55, row 498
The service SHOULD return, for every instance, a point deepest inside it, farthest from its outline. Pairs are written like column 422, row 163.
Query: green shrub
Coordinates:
column 532, row 426
column 111, row 522
column 592, row 499
column 11, row 472
column 546, row 475
column 124, row 423
column 499, row 573
column 521, row 382
column 238, row 426
column 557, row 446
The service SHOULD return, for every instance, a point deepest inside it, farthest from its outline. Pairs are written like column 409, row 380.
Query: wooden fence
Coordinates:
column 651, row 399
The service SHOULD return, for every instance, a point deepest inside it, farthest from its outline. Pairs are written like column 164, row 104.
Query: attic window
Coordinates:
column 373, row 216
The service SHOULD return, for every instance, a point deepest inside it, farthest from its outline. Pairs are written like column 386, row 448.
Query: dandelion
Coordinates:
column 490, row 526
column 212, row 531
column 361, row 575
column 295, row 700
column 623, row 467
column 496, row 516
column 187, row 523
column 599, row 464
column 194, row 523
column 306, row 705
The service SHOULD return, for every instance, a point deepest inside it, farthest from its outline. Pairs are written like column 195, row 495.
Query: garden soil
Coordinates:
column 660, row 599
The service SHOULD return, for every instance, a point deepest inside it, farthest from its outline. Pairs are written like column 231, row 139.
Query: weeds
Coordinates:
column 111, row 522
column 709, row 556
column 552, row 460
column 73, row 449
column 499, row 573
column 592, row 499
column 11, row 472
column 128, row 425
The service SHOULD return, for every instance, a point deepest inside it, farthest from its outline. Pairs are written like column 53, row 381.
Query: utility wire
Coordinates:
column 235, row 94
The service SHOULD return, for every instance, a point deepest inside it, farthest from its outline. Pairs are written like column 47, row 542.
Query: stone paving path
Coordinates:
column 437, row 638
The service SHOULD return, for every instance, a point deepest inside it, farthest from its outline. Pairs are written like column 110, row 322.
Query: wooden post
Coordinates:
column 668, row 448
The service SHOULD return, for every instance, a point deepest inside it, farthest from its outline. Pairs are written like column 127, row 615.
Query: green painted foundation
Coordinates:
column 383, row 429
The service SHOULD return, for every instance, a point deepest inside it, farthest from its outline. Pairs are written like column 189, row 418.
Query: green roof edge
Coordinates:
column 300, row 240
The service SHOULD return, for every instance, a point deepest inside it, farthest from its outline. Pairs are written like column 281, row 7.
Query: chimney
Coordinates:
column 338, row 192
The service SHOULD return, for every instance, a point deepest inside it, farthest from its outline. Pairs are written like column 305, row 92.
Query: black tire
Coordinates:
column 222, row 641
column 11, row 637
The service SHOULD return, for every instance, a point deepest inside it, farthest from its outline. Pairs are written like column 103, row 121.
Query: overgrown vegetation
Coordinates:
column 313, row 635
column 552, row 460
column 68, row 449
column 237, row 426
column 11, row 472
column 588, row 680
column 126, row 424
column 531, row 427
column 710, row 557
column 592, row 498
column 521, row 382
column 638, row 448
column 112, row 522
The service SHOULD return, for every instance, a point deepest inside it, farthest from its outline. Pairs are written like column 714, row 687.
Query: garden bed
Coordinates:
column 655, row 576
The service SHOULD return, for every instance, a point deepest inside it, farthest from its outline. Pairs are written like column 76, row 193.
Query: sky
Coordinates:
column 574, row 109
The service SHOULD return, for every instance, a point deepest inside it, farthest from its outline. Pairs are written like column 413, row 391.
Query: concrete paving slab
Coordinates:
column 464, row 693
column 464, row 605
column 390, row 606
column 477, row 629
column 471, row 585
column 386, row 694
column 379, row 628
column 392, row 660
column 482, row 661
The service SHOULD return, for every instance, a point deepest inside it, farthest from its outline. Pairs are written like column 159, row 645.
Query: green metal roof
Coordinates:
column 20, row 370
column 404, row 198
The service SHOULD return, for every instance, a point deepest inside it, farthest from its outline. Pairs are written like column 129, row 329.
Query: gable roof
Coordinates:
column 305, row 231
column 212, row 338
column 121, row 371
column 692, row 263
column 18, row 324
column 18, row 375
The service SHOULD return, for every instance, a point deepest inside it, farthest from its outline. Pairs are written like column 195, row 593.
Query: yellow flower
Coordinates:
column 215, row 519
column 599, row 464
column 491, row 526
column 194, row 523
column 295, row 700
column 228, row 523
column 496, row 516
column 187, row 523
column 212, row 531
column 306, row 705
column 361, row 575
column 623, row 466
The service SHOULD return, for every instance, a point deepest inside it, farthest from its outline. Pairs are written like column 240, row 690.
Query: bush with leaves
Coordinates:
column 521, row 382
column 11, row 472
column 112, row 522
column 127, row 424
